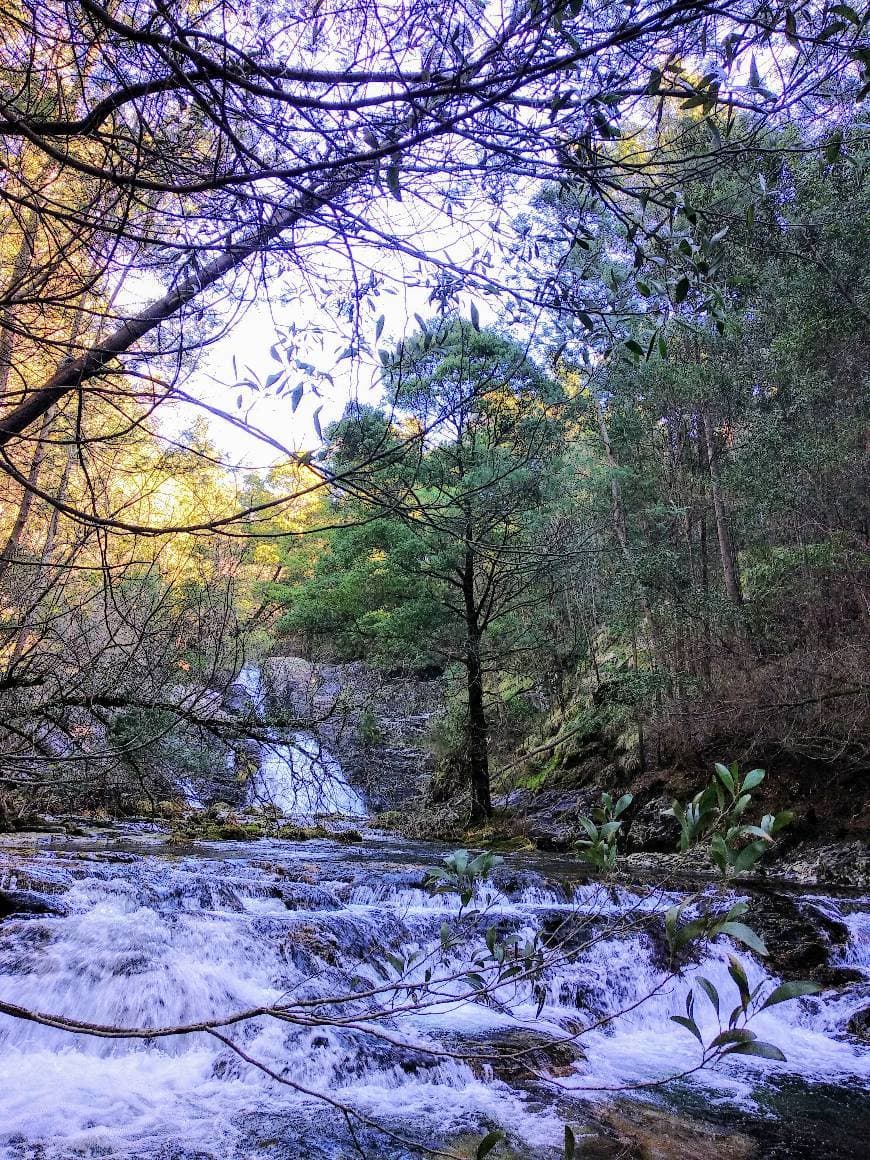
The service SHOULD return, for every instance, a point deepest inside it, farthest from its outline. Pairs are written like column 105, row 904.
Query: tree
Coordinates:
column 207, row 149
column 729, row 407
column 460, row 566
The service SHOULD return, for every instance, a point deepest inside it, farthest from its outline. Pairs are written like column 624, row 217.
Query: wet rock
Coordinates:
column 654, row 828
column 514, row 881
column 523, row 1056
column 232, row 832
column 302, row 896
column 859, row 1025
column 552, row 823
column 836, row 865
column 348, row 837
column 28, row 902
column 640, row 1132
column 800, row 937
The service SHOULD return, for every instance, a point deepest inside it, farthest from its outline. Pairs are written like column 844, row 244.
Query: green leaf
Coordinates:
column 719, row 852
column 590, row 828
column 690, row 1025
column 315, row 419
column 688, row 932
column 786, row 991
column 848, row 13
column 475, row 317
column 681, row 290
column 740, row 805
column 393, row 180
column 655, row 82
column 783, row 819
column 756, row 831
column 725, row 776
column 733, row 1035
column 744, row 934
column 749, row 855
column 623, row 804
column 765, row 1050
column 672, row 917
column 487, row 1144
column 754, row 778
column 570, row 1144
column 737, row 973
column 710, row 991
column 296, row 397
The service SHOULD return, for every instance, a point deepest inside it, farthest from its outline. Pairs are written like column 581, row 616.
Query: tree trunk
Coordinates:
column 19, row 267
column 726, row 547
column 478, row 739
column 13, row 541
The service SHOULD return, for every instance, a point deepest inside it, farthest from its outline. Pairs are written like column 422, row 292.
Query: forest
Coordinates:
column 434, row 558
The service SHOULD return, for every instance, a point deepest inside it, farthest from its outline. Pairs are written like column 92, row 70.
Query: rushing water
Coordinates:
column 298, row 777
column 146, row 935
column 385, row 1047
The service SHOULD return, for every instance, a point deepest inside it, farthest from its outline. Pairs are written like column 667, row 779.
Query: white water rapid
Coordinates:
column 126, row 933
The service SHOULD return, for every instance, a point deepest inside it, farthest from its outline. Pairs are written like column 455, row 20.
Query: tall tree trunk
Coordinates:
column 617, row 511
column 707, row 646
column 726, row 547
column 478, row 739
column 13, row 541
column 19, row 266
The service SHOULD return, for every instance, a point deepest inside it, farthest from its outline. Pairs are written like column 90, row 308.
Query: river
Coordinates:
column 139, row 933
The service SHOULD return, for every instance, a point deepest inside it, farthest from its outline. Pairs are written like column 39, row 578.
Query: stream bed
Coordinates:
column 130, row 931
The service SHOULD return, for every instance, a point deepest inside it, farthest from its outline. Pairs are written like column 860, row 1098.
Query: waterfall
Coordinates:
column 303, row 780
column 298, row 777
column 134, row 937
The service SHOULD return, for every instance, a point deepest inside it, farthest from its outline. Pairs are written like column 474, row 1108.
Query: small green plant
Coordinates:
column 370, row 732
column 734, row 1036
column 460, row 873
column 707, row 926
column 599, row 847
column 716, row 813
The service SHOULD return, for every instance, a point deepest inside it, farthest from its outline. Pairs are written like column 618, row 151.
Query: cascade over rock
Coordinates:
column 375, row 724
column 130, row 937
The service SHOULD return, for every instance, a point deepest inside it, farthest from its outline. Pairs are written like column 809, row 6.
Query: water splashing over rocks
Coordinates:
column 130, row 933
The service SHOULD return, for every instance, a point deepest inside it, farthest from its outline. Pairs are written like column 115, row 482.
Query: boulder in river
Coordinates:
column 859, row 1024
column 28, row 902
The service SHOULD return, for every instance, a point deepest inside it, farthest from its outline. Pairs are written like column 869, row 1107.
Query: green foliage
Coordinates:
column 370, row 731
column 706, row 926
column 487, row 1144
column 599, row 847
column 365, row 596
column 734, row 1036
column 460, row 874
column 715, row 813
